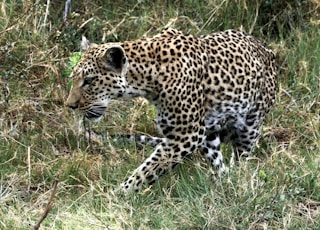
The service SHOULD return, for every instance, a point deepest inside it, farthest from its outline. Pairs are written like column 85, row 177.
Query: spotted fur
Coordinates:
column 207, row 90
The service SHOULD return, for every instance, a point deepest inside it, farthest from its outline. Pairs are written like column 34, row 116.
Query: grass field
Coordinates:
column 48, row 163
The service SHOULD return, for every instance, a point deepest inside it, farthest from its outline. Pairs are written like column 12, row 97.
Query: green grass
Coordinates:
column 42, row 141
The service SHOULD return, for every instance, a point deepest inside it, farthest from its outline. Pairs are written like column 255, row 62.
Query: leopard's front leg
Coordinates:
column 165, row 157
column 183, row 129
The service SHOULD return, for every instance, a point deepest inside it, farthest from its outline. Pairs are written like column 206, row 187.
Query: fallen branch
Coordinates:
column 49, row 205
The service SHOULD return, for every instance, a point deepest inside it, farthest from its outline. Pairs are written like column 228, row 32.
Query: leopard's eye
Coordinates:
column 87, row 81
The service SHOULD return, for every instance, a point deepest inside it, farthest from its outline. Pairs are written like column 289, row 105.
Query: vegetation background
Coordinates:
column 43, row 144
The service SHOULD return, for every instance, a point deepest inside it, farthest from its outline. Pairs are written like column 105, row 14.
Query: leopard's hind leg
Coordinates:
column 212, row 152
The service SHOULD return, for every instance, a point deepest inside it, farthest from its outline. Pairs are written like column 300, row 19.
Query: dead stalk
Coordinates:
column 49, row 205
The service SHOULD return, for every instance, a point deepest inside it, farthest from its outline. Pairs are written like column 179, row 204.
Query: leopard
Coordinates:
column 208, row 90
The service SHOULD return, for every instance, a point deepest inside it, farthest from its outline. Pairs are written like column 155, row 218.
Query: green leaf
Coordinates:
column 73, row 61
column 69, row 85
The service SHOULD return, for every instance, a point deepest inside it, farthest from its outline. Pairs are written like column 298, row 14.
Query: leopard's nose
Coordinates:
column 73, row 101
column 72, row 105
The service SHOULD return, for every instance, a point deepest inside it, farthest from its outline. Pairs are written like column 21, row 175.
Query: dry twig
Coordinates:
column 49, row 205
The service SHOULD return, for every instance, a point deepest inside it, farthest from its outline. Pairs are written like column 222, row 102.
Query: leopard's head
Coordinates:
column 97, row 78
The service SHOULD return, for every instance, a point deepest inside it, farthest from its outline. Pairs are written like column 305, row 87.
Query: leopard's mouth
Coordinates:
column 95, row 113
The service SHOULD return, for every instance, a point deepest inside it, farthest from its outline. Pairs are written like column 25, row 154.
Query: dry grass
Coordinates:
column 41, row 140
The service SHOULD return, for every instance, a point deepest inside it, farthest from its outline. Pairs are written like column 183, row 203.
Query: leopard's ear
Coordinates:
column 115, row 59
column 85, row 43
